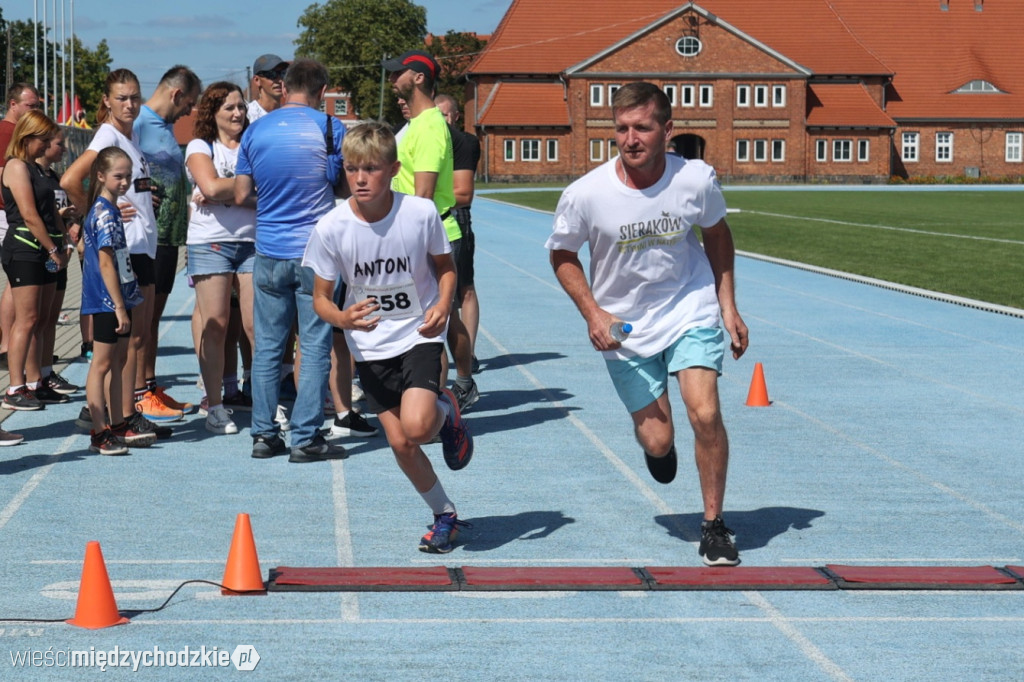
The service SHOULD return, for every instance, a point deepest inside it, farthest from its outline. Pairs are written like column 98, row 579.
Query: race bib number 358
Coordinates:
column 396, row 301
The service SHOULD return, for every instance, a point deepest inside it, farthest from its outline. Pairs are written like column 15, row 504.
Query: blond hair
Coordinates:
column 369, row 141
column 33, row 123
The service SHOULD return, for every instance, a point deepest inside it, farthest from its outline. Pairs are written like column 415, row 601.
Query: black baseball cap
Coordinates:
column 268, row 62
column 417, row 60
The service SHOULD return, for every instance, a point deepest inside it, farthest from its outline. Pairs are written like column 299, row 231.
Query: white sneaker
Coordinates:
column 218, row 420
column 282, row 418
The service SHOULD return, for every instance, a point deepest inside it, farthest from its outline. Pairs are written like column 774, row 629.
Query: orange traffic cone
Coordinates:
column 242, row 574
column 96, row 606
column 758, row 395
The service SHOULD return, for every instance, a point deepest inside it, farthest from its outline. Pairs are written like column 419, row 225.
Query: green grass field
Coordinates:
column 968, row 244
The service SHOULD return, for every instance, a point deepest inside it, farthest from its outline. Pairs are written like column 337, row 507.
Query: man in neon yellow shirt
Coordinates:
column 425, row 152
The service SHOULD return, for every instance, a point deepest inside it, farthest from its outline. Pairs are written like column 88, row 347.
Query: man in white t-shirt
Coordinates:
column 637, row 213
column 267, row 85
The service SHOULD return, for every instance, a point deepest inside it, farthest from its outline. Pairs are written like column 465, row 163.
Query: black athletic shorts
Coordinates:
column 165, row 267
column 142, row 265
column 28, row 273
column 384, row 381
column 104, row 328
column 464, row 261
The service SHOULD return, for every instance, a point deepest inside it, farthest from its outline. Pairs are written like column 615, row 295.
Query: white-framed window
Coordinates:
column 687, row 98
column 778, row 150
column 613, row 149
column 944, row 147
column 911, row 146
column 596, row 94
column 552, row 149
column 510, row 150
column 612, row 89
column 688, row 46
column 760, row 151
column 821, row 150
column 743, row 95
column 707, row 95
column 760, row 95
column 670, row 92
column 863, row 149
column 1015, row 147
column 530, row 150
column 842, row 150
column 597, row 150
column 778, row 95
column 743, row 150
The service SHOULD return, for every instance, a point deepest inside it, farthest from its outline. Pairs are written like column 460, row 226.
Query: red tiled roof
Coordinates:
column 844, row 104
column 928, row 52
column 512, row 103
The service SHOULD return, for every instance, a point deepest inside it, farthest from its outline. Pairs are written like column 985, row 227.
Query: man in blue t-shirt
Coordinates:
column 291, row 159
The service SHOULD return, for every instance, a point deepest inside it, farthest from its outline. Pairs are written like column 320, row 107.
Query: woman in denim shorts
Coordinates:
column 221, row 236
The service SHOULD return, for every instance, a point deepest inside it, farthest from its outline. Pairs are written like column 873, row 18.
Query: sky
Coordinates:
column 216, row 39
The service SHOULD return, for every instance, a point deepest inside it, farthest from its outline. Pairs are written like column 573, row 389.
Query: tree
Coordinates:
column 91, row 66
column 455, row 52
column 352, row 37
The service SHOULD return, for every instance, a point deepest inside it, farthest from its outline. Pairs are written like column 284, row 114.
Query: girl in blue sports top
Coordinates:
column 109, row 292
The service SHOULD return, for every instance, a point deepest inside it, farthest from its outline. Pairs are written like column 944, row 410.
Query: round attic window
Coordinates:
column 688, row 46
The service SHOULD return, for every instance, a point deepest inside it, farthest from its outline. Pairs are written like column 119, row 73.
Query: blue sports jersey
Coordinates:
column 103, row 229
column 285, row 153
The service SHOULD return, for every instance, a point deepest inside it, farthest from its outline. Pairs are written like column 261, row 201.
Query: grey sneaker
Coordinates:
column 22, row 399
column 466, row 397
column 265, row 447
column 318, row 450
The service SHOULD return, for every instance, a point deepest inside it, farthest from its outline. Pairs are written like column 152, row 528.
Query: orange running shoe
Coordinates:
column 153, row 408
column 171, row 402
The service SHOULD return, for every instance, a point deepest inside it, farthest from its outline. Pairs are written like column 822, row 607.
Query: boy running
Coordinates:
column 392, row 253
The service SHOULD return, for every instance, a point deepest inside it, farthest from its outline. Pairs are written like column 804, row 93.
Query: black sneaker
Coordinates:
column 48, row 396
column 22, row 399
column 139, row 424
column 265, row 447
column 106, row 443
column 318, row 450
column 87, row 350
column 663, row 469
column 466, row 397
column 60, row 384
column 352, row 424
column 716, row 546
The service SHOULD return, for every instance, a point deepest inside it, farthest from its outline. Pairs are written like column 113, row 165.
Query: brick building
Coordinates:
column 787, row 90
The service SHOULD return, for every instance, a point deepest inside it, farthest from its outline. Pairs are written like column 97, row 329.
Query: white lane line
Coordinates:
column 755, row 620
column 889, row 228
column 774, row 617
column 785, row 626
column 33, row 482
column 343, row 536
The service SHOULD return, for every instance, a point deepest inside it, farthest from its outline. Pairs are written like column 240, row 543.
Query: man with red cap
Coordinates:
column 427, row 170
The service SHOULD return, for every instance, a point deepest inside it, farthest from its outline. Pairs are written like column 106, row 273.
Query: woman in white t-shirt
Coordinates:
column 119, row 107
column 221, row 240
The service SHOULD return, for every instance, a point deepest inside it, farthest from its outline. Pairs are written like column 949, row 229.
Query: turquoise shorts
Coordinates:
column 641, row 381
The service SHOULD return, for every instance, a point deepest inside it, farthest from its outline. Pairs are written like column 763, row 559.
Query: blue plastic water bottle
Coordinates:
column 620, row 330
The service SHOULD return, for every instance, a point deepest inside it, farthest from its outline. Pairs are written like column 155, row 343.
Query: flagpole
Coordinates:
column 35, row 43
column 46, row 68
column 63, row 62
column 73, row 113
column 56, row 113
